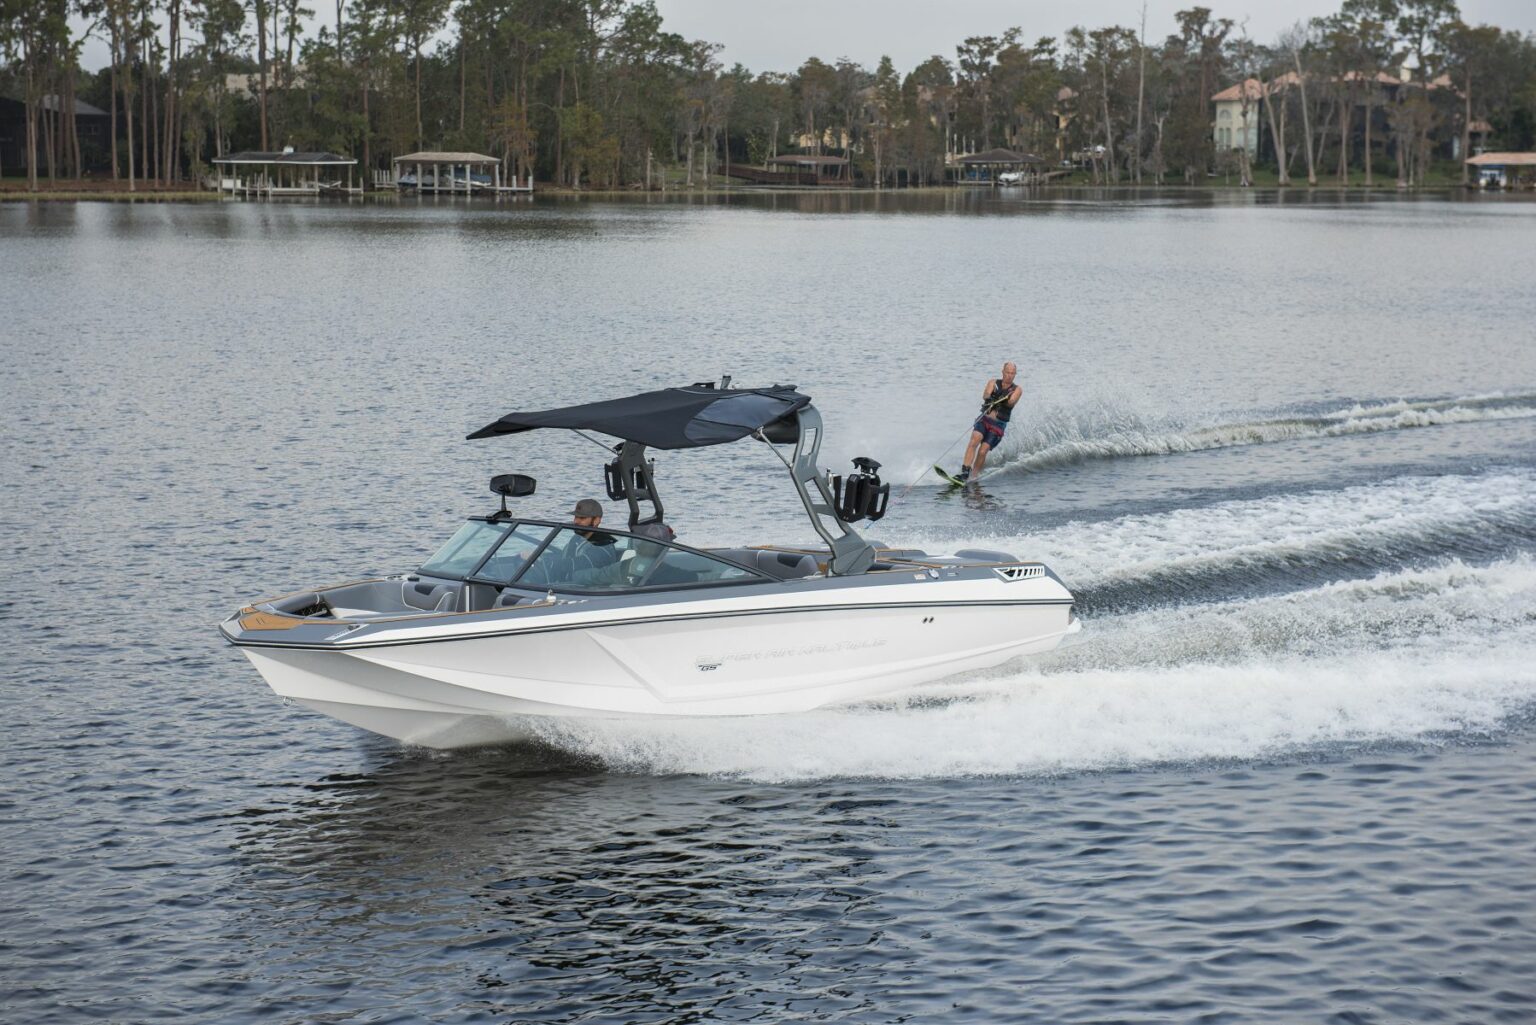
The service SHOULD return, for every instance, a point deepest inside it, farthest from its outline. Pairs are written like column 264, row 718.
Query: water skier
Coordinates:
column 998, row 397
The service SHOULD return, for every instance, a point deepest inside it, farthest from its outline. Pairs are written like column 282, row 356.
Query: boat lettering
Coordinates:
column 706, row 665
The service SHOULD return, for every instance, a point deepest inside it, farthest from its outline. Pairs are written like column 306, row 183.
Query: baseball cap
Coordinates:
column 587, row 507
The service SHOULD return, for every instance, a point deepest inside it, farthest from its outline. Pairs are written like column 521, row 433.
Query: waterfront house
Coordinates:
column 1237, row 121
column 1237, row 112
column 92, row 124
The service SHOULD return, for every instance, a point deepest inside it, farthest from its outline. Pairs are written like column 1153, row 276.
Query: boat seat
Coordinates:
column 428, row 596
column 655, row 531
column 787, row 565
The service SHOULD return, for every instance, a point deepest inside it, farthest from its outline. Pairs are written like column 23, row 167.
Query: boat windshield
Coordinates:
column 465, row 549
column 593, row 560
column 513, row 554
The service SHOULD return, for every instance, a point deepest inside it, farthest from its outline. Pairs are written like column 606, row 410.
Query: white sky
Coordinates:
column 778, row 35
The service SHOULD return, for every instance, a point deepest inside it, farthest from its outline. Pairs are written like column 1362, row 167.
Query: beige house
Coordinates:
column 1064, row 111
column 1238, row 110
column 248, row 83
column 1237, row 114
column 831, row 138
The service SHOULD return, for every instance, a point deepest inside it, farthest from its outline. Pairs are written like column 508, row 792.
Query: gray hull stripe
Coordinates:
column 642, row 621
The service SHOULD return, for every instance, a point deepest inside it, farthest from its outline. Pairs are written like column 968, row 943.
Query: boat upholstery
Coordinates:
column 429, row 596
column 776, row 564
column 787, row 565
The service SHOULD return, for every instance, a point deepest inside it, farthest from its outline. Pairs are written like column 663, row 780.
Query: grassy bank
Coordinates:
column 98, row 196
column 100, row 189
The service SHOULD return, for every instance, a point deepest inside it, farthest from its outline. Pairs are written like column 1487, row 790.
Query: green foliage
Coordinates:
column 599, row 93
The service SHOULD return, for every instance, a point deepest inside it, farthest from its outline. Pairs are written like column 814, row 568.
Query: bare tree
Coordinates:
column 1294, row 40
column 1141, row 85
column 1268, row 89
column 259, row 10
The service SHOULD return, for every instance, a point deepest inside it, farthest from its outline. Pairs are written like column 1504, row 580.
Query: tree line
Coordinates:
column 600, row 93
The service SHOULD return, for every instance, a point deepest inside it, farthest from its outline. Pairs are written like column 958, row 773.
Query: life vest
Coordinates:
column 999, row 394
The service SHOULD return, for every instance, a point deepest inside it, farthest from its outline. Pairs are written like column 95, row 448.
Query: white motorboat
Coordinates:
column 516, row 617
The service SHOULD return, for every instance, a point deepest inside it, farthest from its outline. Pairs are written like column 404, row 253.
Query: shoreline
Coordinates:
column 1119, row 190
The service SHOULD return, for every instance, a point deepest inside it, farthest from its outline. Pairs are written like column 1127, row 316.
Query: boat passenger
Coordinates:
column 657, row 531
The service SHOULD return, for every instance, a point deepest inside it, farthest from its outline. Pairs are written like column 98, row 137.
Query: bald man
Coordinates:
column 998, row 397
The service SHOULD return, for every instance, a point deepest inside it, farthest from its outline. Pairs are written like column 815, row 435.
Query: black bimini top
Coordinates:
column 670, row 418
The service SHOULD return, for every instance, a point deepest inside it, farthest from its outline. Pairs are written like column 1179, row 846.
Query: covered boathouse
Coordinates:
column 447, row 172
column 1504, row 170
column 989, row 166
column 289, row 173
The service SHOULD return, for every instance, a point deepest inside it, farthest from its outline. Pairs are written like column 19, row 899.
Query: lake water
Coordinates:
column 1284, row 452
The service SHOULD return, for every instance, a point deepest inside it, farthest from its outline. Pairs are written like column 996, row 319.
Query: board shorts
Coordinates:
column 991, row 430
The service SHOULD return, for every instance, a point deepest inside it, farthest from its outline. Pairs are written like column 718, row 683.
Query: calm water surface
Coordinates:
column 1284, row 452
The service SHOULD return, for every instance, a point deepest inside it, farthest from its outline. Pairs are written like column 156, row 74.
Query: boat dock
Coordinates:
column 289, row 173
column 259, row 174
column 462, row 174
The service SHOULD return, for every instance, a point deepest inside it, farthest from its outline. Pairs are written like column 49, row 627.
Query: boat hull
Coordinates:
column 470, row 691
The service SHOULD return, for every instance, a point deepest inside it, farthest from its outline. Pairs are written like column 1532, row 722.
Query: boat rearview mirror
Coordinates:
column 513, row 485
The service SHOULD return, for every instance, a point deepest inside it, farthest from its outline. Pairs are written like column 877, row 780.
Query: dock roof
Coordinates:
column 434, row 157
column 808, row 160
column 252, row 156
column 1000, row 156
column 1504, row 160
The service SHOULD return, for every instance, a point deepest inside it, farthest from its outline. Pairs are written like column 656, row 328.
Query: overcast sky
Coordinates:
column 777, row 35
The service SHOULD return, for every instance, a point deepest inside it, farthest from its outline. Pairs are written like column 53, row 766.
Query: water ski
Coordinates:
column 954, row 481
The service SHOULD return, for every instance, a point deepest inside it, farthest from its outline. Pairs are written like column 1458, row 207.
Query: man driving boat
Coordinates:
column 584, row 555
column 590, row 550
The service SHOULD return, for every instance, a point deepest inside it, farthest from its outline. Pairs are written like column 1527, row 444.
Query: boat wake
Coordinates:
column 1247, row 546
column 1189, row 656
column 1083, row 433
column 1285, row 540
column 1429, row 656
